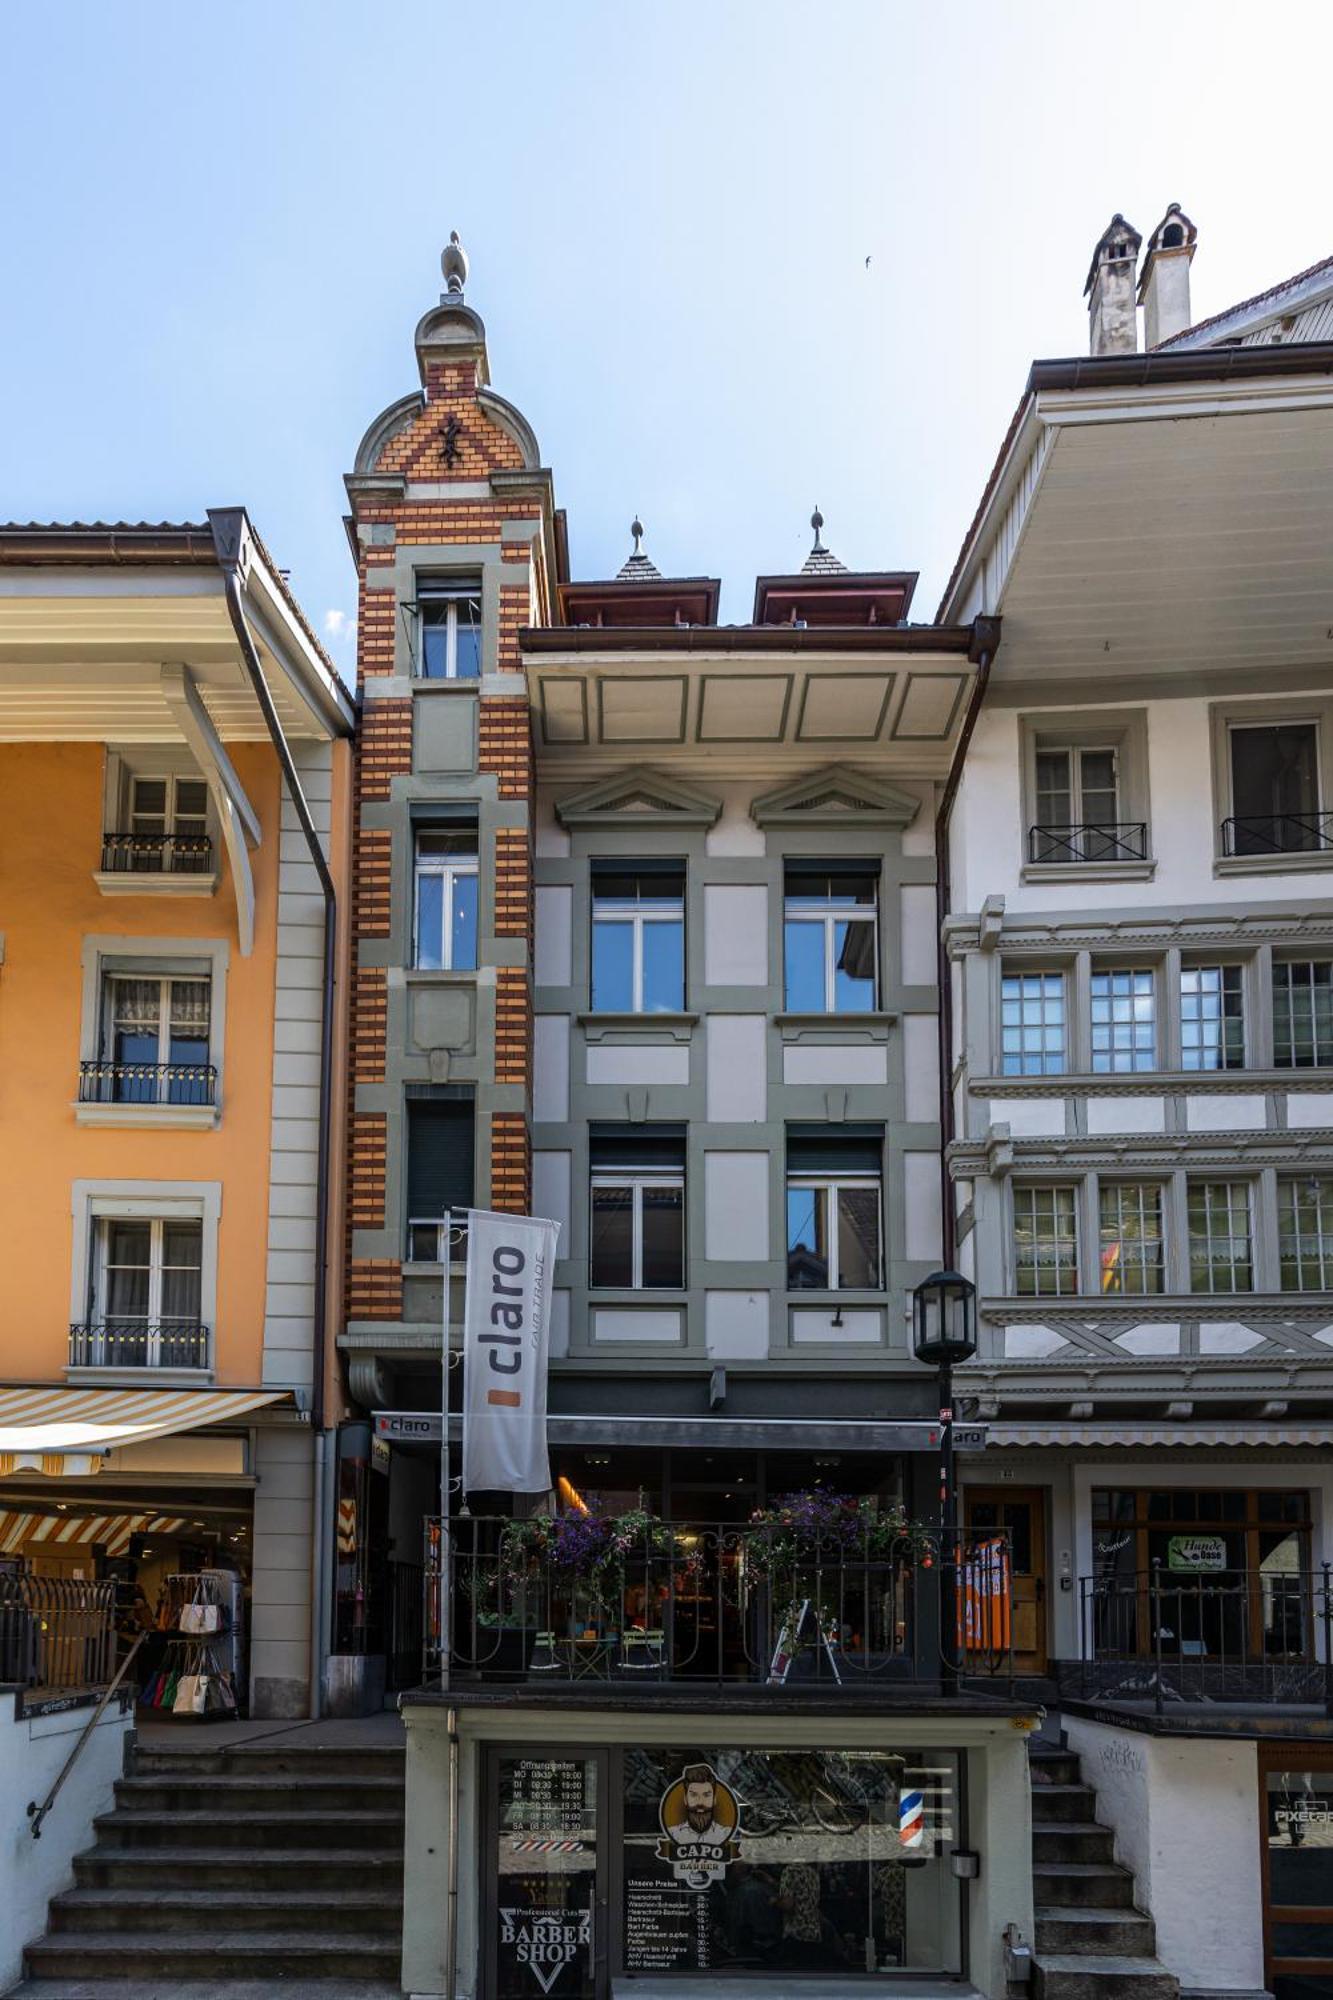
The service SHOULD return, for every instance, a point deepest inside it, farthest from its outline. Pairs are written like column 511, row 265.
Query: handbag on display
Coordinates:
column 200, row 1617
column 190, row 1689
column 169, row 1690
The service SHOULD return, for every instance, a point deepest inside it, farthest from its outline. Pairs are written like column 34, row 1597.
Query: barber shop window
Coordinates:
column 638, row 937
column 831, row 937
column 834, row 1207
column 446, row 899
column 449, row 629
column 637, row 1208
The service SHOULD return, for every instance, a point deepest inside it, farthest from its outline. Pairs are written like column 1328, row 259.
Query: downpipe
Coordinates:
column 451, row 1899
column 228, row 545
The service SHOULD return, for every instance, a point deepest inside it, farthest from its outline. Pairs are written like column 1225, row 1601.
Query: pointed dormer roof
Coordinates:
column 638, row 567
column 821, row 561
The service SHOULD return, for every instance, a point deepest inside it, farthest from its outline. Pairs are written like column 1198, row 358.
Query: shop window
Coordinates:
column 445, row 925
column 1302, row 1013
column 449, row 629
column 637, row 1204
column 1045, row 1243
column 1212, row 1017
column 1298, row 1874
column 440, row 1171
column 1219, row 1236
column 1032, row 1024
column 638, row 938
column 834, row 1204
column 1132, row 1260
column 1124, row 1019
column 1305, row 1233
column 830, row 938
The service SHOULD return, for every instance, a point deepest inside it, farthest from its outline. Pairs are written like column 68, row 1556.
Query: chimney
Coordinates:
column 1112, row 322
column 1164, row 288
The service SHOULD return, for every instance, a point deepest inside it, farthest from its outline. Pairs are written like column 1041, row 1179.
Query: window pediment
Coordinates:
column 634, row 797
column 836, row 796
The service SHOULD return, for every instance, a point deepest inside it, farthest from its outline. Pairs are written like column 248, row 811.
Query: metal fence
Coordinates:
column 57, row 1631
column 569, row 1599
column 1236, row 1635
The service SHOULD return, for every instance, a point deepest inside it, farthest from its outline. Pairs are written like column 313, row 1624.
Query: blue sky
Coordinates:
column 220, row 228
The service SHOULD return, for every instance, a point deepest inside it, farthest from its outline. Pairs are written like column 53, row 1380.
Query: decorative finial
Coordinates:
column 817, row 523
column 453, row 263
column 636, row 529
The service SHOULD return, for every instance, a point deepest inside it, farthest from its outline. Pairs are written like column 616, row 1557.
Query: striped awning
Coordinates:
column 999, row 1435
column 109, row 1532
column 65, row 1432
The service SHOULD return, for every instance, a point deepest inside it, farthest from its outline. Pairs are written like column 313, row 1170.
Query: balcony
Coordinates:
column 1278, row 833
column 138, row 864
column 140, row 1344
column 806, row 1603
column 1099, row 843
column 147, row 1094
column 1236, row 1635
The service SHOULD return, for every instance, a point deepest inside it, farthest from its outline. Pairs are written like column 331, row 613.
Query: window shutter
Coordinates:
column 440, row 1157
column 835, row 1149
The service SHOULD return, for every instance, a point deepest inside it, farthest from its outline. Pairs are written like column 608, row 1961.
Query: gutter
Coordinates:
column 713, row 639
column 985, row 645
column 231, row 537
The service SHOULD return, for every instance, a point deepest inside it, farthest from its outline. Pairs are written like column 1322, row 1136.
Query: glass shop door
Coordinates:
column 545, row 1905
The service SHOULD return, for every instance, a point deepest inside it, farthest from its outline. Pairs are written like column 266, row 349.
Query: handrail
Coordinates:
column 37, row 1813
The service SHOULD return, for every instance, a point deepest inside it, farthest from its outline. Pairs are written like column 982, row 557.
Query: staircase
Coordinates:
column 239, row 1867
column 1091, row 1942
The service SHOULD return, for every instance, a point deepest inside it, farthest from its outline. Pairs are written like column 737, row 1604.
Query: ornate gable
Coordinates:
column 636, row 796
column 836, row 796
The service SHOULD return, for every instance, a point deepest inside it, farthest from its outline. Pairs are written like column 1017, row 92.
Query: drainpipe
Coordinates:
column 985, row 645
column 229, row 538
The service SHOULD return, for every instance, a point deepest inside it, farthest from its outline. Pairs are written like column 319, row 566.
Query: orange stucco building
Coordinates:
column 174, row 795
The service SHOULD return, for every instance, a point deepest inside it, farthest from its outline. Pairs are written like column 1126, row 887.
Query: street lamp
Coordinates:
column 943, row 1335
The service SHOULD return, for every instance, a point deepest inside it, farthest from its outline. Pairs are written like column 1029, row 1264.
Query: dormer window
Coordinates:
column 449, row 621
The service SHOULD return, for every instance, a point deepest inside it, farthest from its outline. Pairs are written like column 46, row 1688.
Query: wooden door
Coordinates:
column 1019, row 1512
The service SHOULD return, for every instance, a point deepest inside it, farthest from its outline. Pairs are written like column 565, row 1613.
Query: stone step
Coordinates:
column 1061, row 1976
column 1101, row 1885
column 208, row 1989
column 369, row 1911
column 1064, row 1840
column 1065, row 1802
column 203, row 1955
column 1073, row 1929
column 236, row 1760
column 275, row 1791
column 241, row 1868
column 1053, row 1767
column 249, row 1829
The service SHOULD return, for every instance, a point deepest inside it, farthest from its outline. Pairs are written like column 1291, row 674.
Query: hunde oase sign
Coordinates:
column 506, row 1345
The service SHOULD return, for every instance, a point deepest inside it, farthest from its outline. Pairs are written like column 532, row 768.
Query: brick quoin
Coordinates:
column 511, row 1163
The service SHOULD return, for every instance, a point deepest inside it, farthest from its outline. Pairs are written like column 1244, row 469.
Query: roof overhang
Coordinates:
column 766, row 699
column 666, row 601
column 860, row 597
column 90, row 617
column 1160, row 512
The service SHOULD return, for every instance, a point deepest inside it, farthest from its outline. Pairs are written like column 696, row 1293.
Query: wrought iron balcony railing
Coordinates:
column 157, row 854
column 147, row 1083
column 643, row 1601
column 139, row 1343
column 1206, row 1635
column 1278, row 833
column 1122, row 840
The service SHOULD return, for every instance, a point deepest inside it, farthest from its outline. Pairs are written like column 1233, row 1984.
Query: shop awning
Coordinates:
column 1001, row 1435
column 110, row 1532
column 64, row 1432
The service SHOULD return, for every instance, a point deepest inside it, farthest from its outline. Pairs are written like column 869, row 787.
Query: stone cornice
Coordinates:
column 1310, row 921
column 1296, row 1310
column 1140, row 1152
column 1153, row 1083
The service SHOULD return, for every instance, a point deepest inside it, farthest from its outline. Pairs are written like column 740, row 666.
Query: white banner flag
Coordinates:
column 506, row 1339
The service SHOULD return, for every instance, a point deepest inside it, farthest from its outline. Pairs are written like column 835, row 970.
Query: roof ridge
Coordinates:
column 1246, row 305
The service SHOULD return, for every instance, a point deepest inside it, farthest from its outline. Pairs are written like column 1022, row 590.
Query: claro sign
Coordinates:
column 506, row 1345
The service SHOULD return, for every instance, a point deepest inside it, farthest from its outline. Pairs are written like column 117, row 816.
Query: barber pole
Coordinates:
column 911, row 1819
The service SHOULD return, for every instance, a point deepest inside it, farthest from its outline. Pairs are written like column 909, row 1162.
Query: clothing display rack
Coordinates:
column 197, row 1676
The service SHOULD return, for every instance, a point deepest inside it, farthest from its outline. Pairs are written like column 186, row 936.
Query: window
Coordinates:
column 1302, row 1013
column 1045, row 1243
column 1219, row 1225
column 1274, row 790
column 833, row 1210
column 446, row 900
column 1123, row 1021
column 449, row 615
column 1212, row 1017
column 440, row 1171
column 638, row 1211
column 1085, row 788
column 1305, row 1233
column 166, row 830
column 154, row 1041
column 638, row 938
column 830, row 939
column 1032, row 1023
column 1077, row 806
column 144, row 1302
column 1131, row 1238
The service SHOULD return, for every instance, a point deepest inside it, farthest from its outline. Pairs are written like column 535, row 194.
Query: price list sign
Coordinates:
column 666, row 1929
